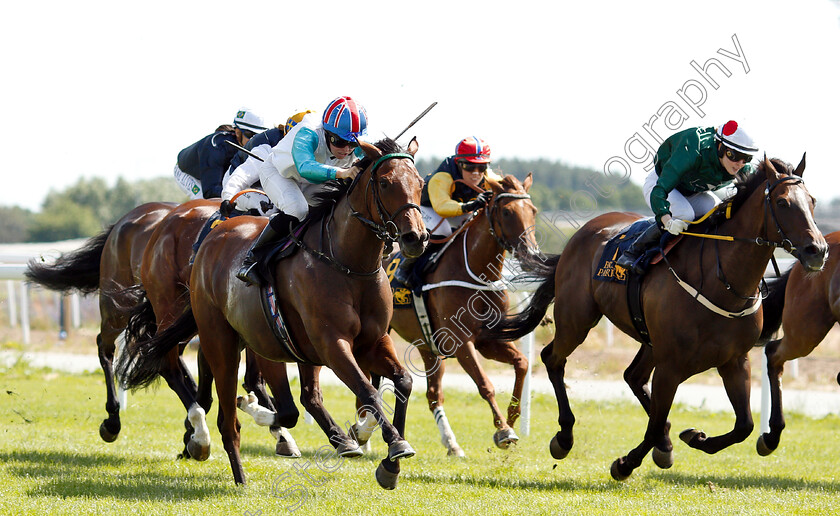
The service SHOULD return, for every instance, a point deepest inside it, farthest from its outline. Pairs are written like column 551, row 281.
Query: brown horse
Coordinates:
column 811, row 304
column 772, row 208
column 333, row 294
column 165, row 275
column 110, row 263
column 464, row 290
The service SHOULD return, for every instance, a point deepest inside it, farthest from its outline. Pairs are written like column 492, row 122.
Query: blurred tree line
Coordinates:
column 556, row 182
column 83, row 209
column 87, row 207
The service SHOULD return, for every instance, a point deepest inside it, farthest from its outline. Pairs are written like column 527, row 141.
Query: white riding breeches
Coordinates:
column 288, row 195
column 190, row 185
column 683, row 207
column 437, row 225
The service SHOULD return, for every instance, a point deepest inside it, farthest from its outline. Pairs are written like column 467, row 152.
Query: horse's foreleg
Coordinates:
column 769, row 441
column 736, row 381
column 663, row 388
column 435, row 368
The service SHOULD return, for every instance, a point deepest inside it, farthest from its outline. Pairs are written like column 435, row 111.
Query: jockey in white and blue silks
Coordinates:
column 315, row 151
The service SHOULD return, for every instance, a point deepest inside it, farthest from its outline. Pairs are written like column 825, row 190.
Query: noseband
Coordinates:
column 387, row 231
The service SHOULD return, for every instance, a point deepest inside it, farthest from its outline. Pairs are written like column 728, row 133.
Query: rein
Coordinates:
column 785, row 244
column 386, row 232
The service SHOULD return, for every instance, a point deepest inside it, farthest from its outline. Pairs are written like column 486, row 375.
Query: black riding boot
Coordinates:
column 279, row 226
column 403, row 272
column 638, row 247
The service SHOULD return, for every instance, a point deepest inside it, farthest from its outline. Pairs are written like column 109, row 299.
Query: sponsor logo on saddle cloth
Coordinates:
column 607, row 269
column 402, row 296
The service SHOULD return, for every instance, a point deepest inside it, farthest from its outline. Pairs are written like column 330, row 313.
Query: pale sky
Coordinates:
column 108, row 89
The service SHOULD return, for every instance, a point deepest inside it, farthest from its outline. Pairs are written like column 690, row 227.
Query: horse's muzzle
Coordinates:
column 412, row 244
column 813, row 256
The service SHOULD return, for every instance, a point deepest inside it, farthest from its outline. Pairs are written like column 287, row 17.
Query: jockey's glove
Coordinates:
column 676, row 226
column 226, row 208
column 477, row 203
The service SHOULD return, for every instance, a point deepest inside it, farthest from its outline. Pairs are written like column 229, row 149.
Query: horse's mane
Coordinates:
column 335, row 189
column 745, row 184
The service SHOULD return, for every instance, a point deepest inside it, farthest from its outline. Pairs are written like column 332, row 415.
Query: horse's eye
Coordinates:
column 383, row 184
column 506, row 213
column 782, row 202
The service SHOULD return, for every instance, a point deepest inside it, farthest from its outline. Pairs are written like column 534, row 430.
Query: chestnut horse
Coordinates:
column 811, row 304
column 165, row 274
column 108, row 263
column 333, row 294
column 772, row 208
column 468, row 275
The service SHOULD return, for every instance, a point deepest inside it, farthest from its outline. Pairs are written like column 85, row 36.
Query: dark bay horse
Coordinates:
column 333, row 294
column 109, row 263
column 464, row 291
column 772, row 208
column 165, row 274
column 811, row 302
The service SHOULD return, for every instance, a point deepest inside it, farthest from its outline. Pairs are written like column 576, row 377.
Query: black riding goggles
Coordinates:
column 474, row 167
column 340, row 143
column 735, row 156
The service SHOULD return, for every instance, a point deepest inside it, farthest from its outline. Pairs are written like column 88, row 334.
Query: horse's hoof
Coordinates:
column 455, row 451
column 354, row 434
column 504, row 437
column 762, row 447
column 197, row 452
column 663, row 459
column 106, row 434
column 557, row 451
column 385, row 478
column 348, row 450
column 616, row 474
column 691, row 435
column 287, row 450
column 400, row 450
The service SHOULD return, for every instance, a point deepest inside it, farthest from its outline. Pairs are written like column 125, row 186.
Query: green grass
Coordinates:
column 52, row 461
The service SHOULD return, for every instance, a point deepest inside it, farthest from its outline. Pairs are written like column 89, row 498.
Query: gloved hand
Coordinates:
column 226, row 208
column 479, row 202
column 350, row 173
column 676, row 226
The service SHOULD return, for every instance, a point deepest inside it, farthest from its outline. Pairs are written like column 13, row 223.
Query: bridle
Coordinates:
column 492, row 210
column 387, row 231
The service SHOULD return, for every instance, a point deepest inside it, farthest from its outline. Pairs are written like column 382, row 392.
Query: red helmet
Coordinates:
column 472, row 149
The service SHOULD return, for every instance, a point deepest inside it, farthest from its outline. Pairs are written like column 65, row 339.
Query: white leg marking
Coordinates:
column 201, row 434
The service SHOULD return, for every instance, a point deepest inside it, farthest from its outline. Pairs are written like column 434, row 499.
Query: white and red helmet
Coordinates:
column 472, row 149
column 731, row 135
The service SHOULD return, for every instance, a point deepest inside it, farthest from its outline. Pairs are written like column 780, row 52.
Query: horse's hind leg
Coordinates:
column 736, row 381
column 435, row 368
column 468, row 358
column 312, row 400
column 110, row 427
column 285, row 413
column 663, row 388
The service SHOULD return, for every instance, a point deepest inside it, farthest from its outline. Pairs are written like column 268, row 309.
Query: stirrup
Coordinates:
column 248, row 274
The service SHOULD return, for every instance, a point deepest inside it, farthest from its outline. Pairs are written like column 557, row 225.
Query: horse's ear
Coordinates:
column 494, row 185
column 528, row 181
column 371, row 151
column 772, row 173
column 413, row 146
column 800, row 169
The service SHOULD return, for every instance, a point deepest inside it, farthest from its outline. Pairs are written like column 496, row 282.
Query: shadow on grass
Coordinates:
column 79, row 474
column 516, row 483
column 769, row 481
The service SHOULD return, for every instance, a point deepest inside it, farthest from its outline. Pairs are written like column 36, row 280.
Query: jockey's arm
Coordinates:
column 441, row 186
column 672, row 172
column 303, row 152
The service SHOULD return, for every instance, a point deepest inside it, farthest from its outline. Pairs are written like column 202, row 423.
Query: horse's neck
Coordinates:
column 744, row 263
column 484, row 254
column 349, row 241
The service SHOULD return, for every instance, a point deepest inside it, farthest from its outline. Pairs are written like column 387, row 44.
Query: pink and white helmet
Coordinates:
column 731, row 135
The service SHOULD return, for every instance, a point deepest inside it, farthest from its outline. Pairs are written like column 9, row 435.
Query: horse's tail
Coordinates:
column 773, row 306
column 512, row 327
column 144, row 355
column 77, row 269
